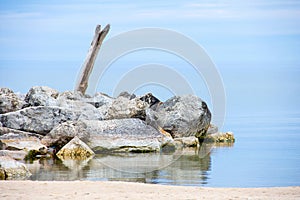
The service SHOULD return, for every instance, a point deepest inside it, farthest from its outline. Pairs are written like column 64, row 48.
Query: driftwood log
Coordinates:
column 91, row 57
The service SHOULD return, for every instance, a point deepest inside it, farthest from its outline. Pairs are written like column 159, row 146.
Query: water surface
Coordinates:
column 266, row 153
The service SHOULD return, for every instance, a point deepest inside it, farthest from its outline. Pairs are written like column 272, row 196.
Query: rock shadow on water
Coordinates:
column 186, row 167
column 57, row 170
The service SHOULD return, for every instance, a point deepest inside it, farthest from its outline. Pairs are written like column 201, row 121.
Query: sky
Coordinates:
column 255, row 44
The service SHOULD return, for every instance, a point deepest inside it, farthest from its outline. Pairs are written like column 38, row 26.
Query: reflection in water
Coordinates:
column 186, row 167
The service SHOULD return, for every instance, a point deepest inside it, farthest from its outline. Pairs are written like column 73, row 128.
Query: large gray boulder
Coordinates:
column 101, row 99
column 40, row 119
column 70, row 95
column 9, row 101
column 11, row 169
column 123, row 107
column 83, row 109
column 41, row 96
column 45, row 96
column 119, row 135
column 98, row 100
column 181, row 116
column 129, row 106
column 95, row 107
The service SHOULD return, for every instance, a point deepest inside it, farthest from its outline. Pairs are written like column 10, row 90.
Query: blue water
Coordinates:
column 266, row 153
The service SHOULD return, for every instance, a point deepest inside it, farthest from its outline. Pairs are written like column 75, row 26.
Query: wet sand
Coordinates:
column 124, row 190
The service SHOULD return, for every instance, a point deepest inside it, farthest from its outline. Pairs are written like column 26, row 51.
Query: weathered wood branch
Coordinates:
column 91, row 57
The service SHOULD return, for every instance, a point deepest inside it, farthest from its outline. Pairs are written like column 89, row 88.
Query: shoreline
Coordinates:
column 128, row 190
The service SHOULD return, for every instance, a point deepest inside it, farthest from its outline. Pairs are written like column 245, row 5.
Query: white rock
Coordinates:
column 13, row 169
column 9, row 101
column 41, row 96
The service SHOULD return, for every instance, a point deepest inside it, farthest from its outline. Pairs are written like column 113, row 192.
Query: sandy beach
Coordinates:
column 123, row 190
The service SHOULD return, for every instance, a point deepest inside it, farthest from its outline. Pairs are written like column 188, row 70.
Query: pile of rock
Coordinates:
column 45, row 121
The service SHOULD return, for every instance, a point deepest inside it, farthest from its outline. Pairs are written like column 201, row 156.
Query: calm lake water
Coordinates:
column 266, row 153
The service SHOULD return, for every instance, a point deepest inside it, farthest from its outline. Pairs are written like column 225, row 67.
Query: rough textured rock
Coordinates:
column 104, row 110
column 119, row 135
column 186, row 141
column 82, row 109
column 102, row 102
column 17, row 143
column 4, row 131
column 220, row 137
column 63, row 133
column 95, row 107
column 41, row 96
column 5, row 91
column 75, row 149
column 122, row 108
column 101, row 99
column 71, row 95
column 12, row 169
column 181, row 116
column 127, row 95
column 10, row 142
column 98, row 100
column 41, row 119
column 9, row 101
column 151, row 100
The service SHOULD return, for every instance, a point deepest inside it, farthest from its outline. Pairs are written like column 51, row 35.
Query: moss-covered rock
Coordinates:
column 227, row 137
column 75, row 149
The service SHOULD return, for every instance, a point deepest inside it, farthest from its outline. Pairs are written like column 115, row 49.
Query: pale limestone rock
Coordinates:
column 41, row 96
column 13, row 169
column 9, row 101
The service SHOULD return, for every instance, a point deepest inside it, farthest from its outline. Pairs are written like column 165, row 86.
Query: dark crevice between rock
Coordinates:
column 60, row 144
column 3, row 174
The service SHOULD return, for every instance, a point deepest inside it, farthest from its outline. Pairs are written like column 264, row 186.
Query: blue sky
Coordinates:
column 61, row 30
column 255, row 44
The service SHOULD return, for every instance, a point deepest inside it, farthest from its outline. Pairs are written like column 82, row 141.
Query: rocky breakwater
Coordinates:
column 44, row 122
